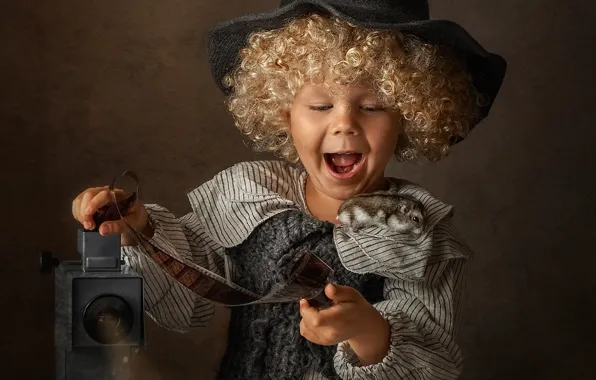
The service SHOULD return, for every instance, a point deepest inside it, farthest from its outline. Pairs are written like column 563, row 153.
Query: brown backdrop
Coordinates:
column 92, row 88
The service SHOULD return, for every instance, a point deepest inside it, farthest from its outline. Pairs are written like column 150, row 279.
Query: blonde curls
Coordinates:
column 430, row 88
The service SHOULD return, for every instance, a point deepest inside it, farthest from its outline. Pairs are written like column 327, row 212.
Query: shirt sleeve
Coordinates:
column 225, row 210
column 170, row 304
column 423, row 318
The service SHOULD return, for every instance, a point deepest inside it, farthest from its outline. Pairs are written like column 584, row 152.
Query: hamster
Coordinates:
column 396, row 212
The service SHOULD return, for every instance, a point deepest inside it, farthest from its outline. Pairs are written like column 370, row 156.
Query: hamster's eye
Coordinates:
column 415, row 219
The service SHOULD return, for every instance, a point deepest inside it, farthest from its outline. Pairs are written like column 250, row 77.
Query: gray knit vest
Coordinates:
column 264, row 340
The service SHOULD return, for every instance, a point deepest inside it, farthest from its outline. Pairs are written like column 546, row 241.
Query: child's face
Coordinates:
column 347, row 119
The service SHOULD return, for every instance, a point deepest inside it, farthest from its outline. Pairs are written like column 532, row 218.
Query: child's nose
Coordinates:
column 345, row 124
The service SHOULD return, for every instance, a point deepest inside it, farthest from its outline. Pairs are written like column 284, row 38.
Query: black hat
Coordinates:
column 226, row 39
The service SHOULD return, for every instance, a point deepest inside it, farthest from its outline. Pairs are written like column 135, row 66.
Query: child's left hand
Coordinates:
column 350, row 316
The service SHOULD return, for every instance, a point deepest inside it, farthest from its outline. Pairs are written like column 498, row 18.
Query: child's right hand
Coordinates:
column 90, row 200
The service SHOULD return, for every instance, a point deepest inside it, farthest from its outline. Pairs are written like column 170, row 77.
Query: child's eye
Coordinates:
column 372, row 108
column 320, row 108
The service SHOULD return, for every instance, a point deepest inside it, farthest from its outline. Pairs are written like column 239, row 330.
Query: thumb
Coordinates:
column 112, row 227
column 341, row 293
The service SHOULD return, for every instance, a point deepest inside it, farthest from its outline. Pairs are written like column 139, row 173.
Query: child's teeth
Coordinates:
column 344, row 159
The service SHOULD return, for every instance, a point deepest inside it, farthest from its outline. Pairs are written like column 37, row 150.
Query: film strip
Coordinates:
column 307, row 280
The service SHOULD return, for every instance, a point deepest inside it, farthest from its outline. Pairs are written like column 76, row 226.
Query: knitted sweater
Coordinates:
column 423, row 278
column 264, row 339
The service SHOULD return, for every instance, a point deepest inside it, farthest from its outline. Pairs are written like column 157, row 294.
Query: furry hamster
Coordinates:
column 396, row 212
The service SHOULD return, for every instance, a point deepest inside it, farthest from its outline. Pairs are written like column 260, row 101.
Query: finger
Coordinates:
column 308, row 333
column 76, row 207
column 307, row 311
column 99, row 200
column 83, row 200
column 339, row 293
column 315, row 318
column 87, row 196
column 304, row 306
column 321, row 336
column 321, row 317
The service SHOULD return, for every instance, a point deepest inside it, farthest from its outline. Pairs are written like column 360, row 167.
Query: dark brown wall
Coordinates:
column 92, row 88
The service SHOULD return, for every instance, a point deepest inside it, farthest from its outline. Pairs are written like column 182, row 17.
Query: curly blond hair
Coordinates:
column 426, row 83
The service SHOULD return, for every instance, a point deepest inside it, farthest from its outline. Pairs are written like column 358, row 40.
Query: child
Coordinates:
column 338, row 88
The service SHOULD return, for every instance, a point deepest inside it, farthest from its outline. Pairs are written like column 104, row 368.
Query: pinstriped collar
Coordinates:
column 380, row 251
column 238, row 199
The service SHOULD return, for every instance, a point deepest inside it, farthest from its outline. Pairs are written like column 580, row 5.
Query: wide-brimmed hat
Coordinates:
column 226, row 39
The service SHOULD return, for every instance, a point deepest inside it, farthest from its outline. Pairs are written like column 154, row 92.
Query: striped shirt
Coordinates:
column 424, row 276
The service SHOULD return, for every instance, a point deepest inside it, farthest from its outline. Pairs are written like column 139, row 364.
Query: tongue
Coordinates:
column 344, row 159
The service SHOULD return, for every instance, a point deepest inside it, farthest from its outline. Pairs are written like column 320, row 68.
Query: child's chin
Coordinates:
column 342, row 190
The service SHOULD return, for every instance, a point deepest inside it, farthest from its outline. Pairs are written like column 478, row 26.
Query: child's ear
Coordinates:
column 287, row 118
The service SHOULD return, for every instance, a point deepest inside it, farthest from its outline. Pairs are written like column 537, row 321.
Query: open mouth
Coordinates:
column 344, row 165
